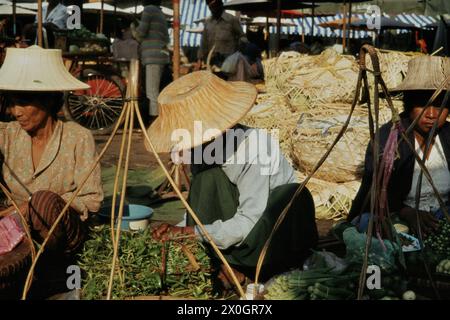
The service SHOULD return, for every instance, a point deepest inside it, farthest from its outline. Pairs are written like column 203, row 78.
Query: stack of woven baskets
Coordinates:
column 307, row 101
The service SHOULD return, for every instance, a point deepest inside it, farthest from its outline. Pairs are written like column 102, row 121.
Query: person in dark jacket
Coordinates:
column 402, row 185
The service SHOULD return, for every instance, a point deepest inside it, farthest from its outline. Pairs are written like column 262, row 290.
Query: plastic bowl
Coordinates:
column 135, row 216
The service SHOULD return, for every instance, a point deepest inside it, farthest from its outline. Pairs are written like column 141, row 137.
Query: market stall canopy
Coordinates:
column 123, row 4
column 361, row 24
column 437, row 23
column 7, row 9
column 265, row 5
column 261, row 21
column 96, row 6
column 243, row 18
column 427, row 7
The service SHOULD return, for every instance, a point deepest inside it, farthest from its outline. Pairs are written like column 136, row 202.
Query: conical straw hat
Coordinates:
column 36, row 69
column 426, row 73
column 201, row 106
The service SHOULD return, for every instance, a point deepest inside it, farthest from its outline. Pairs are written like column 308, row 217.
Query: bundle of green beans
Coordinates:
column 439, row 241
column 140, row 270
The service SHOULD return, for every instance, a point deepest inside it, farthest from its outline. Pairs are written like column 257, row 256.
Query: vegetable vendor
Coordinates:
column 241, row 180
column 425, row 75
column 45, row 159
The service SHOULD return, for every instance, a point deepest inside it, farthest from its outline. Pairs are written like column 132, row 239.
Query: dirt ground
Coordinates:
column 141, row 158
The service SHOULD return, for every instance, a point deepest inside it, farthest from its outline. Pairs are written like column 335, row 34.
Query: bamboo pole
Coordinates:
column 277, row 42
column 351, row 31
column 133, row 104
column 174, row 186
column 344, row 28
column 14, row 13
column 305, row 182
column 176, row 39
column 303, row 26
column 115, row 19
column 102, row 16
column 267, row 37
column 312, row 22
column 39, row 29
column 116, row 179
column 375, row 141
column 188, row 207
column 133, row 84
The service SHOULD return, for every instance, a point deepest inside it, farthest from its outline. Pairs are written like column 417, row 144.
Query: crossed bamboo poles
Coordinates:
column 375, row 140
column 131, row 109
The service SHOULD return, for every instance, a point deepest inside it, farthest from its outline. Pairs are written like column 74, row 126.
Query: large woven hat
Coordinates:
column 203, row 106
column 426, row 73
column 36, row 69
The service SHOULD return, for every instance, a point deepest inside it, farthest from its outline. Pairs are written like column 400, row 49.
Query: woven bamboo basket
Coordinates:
column 332, row 200
column 303, row 79
column 274, row 113
column 393, row 66
column 316, row 131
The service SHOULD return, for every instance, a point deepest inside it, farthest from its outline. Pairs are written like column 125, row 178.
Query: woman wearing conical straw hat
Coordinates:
column 45, row 159
column 425, row 75
column 241, row 180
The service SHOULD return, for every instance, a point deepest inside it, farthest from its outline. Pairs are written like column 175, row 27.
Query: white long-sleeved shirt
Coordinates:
column 438, row 168
column 256, row 168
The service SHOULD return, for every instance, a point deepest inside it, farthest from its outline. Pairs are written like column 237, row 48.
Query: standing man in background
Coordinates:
column 222, row 31
column 153, row 35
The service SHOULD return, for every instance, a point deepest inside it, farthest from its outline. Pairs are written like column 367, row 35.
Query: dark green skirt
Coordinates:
column 213, row 197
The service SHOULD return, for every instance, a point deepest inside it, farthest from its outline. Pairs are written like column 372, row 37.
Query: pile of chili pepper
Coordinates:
column 179, row 267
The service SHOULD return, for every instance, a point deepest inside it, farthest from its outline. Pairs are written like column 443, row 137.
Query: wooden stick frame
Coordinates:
column 362, row 77
column 133, row 109
column 130, row 110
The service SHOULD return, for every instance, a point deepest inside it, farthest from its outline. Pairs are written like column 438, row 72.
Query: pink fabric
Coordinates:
column 387, row 165
column 10, row 234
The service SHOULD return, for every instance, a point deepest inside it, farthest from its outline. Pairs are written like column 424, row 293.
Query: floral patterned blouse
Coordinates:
column 67, row 159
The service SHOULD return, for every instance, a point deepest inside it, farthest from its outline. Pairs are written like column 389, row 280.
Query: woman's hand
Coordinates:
column 428, row 223
column 166, row 231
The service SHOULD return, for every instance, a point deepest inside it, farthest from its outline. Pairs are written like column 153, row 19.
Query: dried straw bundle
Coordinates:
column 393, row 65
column 317, row 130
column 308, row 80
column 332, row 200
column 273, row 113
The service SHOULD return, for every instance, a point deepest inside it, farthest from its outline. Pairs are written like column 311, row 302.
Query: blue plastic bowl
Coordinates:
column 135, row 216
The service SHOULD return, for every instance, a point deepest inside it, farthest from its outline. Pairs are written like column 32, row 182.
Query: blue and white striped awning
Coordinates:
column 417, row 19
column 305, row 26
column 190, row 11
column 193, row 10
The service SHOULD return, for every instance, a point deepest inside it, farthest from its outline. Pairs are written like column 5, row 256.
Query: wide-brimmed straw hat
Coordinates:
column 199, row 106
column 36, row 69
column 425, row 73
